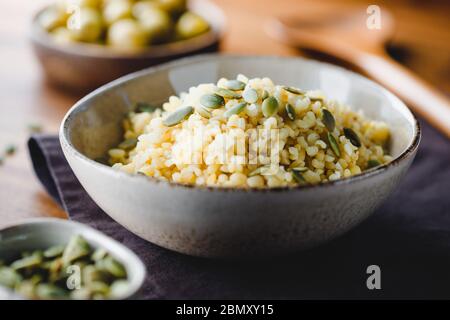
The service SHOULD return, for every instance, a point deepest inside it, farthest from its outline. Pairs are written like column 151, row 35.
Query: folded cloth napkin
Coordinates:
column 408, row 237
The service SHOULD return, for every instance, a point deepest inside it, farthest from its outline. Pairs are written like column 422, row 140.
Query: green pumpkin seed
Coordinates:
column 298, row 177
column 255, row 172
column 10, row 150
column 31, row 261
column 333, row 144
column 177, row 116
column 314, row 98
column 236, row 109
column 128, row 144
column 265, row 95
column 26, row 254
column 99, row 287
column 55, row 270
column 50, row 291
column 228, row 94
column 34, row 128
column 102, row 160
column 91, row 274
column 250, row 95
column 352, row 136
column 112, row 266
column 26, row 288
column 234, row 85
column 54, row 251
column 76, row 248
column 9, row 277
column 140, row 107
column 294, row 90
column 212, row 101
column 328, row 120
column 372, row 164
column 119, row 288
column 263, row 170
column 36, row 278
column 100, row 253
column 269, row 106
column 290, row 111
column 203, row 112
column 300, row 169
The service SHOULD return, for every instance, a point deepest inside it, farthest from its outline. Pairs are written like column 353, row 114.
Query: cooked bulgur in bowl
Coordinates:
column 240, row 167
column 249, row 133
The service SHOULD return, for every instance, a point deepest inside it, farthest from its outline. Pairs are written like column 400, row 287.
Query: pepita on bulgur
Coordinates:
column 227, row 137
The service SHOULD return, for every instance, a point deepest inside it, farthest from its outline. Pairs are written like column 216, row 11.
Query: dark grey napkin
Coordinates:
column 408, row 237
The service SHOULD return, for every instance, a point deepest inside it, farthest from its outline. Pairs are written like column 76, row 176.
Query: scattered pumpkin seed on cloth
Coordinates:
column 206, row 136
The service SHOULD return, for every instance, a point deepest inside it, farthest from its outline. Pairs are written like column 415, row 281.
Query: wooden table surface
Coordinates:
column 423, row 34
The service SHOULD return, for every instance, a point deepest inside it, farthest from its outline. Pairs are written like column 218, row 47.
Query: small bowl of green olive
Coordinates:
column 82, row 44
column 53, row 259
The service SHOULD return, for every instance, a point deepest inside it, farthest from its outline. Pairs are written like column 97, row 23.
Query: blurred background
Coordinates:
column 30, row 103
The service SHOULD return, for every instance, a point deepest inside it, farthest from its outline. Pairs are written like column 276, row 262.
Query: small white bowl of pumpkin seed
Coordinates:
column 48, row 259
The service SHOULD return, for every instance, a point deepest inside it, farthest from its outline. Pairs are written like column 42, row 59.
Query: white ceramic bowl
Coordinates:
column 217, row 222
column 43, row 233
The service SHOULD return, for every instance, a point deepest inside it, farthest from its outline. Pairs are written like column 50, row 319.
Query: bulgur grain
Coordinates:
column 231, row 144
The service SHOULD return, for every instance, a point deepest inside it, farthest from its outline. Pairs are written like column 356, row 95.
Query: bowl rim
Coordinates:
column 77, row 107
column 130, row 255
column 213, row 36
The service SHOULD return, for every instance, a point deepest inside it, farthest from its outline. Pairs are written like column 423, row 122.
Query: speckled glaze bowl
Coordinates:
column 218, row 222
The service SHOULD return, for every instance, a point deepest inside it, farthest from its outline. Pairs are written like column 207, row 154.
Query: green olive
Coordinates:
column 116, row 10
column 173, row 7
column 156, row 23
column 122, row 23
column 62, row 35
column 52, row 18
column 85, row 25
column 128, row 34
column 140, row 7
column 70, row 4
column 190, row 25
